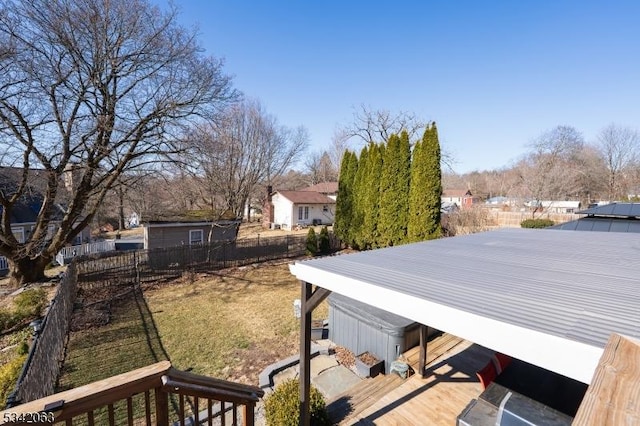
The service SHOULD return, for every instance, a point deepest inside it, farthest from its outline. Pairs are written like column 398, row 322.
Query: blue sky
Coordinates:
column 494, row 75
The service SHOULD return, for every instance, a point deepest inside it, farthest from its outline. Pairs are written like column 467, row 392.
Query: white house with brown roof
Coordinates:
column 462, row 198
column 302, row 208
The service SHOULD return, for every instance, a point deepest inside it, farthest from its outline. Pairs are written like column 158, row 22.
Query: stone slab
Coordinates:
column 284, row 375
column 321, row 363
column 334, row 381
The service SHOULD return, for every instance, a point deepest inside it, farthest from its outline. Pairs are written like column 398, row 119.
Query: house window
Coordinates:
column 19, row 234
column 196, row 236
column 51, row 229
column 325, row 208
column 303, row 212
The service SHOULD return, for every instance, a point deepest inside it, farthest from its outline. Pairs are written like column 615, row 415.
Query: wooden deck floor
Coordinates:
column 437, row 399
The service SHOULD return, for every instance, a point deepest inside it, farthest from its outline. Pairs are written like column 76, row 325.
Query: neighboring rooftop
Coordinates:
column 190, row 216
column 306, row 197
column 457, row 193
column 323, row 188
column 27, row 208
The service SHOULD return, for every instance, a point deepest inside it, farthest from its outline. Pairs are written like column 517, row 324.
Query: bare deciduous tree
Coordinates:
column 619, row 147
column 245, row 147
column 549, row 171
column 321, row 168
column 99, row 86
column 376, row 126
column 467, row 221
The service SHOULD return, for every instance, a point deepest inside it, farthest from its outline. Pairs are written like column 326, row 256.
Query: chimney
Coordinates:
column 267, row 210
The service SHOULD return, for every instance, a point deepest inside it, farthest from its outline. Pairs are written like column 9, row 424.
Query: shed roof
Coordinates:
column 306, row 197
column 549, row 298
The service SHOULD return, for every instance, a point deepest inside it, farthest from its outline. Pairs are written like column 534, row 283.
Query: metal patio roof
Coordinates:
column 549, row 298
column 600, row 224
column 614, row 209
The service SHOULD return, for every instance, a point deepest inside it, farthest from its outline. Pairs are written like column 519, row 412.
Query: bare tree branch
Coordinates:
column 99, row 87
column 243, row 149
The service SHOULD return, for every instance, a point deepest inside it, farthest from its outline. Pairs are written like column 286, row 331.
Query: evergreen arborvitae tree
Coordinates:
column 371, row 200
column 312, row 242
column 426, row 188
column 394, row 190
column 324, row 243
column 356, row 237
column 344, row 208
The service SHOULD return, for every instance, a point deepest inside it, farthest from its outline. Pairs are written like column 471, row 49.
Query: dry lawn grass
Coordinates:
column 230, row 324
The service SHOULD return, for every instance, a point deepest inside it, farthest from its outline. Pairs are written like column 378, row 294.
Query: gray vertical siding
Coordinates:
column 363, row 328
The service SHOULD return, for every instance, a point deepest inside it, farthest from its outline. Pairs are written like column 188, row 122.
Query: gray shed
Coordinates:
column 363, row 328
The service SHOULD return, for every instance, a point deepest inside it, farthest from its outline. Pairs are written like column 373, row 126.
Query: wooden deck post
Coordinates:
column 305, row 349
column 423, row 350
column 309, row 301
column 162, row 407
column 249, row 414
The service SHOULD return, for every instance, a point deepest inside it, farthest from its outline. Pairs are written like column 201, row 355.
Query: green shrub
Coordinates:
column 312, row 242
column 7, row 319
column 30, row 303
column 282, row 407
column 9, row 376
column 23, row 348
column 324, row 245
column 537, row 223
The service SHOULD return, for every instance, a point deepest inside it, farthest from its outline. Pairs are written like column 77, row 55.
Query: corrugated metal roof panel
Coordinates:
column 614, row 209
column 578, row 286
column 602, row 224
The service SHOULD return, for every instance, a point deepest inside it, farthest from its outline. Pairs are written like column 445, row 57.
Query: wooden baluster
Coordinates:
column 162, row 408
column 130, row 411
column 147, row 407
column 69, row 422
column 90, row 418
column 210, row 412
column 235, row 414
column 112, row 417
column 223, row 413
column 182, row 410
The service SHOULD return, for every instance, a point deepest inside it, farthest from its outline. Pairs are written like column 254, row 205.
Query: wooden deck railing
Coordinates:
column 154, row 395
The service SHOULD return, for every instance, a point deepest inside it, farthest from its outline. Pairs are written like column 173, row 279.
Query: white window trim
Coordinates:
column 193, row 232
column 18, row 231
column 303, row 212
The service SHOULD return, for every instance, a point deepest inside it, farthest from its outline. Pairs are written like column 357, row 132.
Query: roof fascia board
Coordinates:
column 564, row 356
column 186, row 224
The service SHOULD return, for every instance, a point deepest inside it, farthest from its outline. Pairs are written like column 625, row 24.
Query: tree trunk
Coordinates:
column 26, row 270
column 121, row 224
